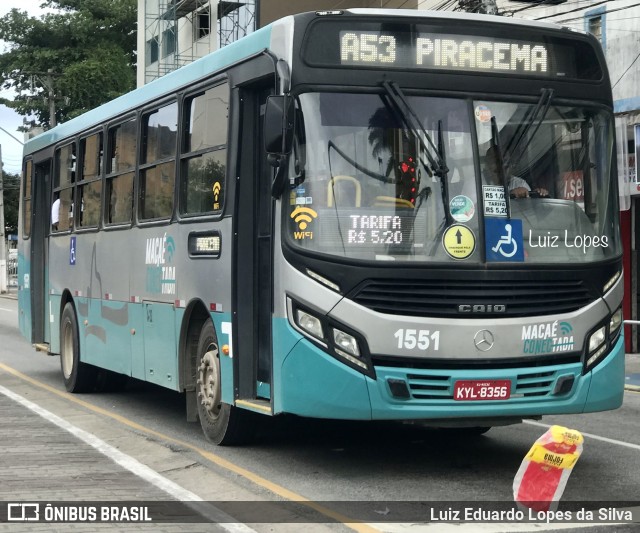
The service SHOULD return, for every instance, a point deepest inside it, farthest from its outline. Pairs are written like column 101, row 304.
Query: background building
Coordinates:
column 176, row 32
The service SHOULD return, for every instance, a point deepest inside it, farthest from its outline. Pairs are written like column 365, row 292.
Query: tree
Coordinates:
column 84, row 54
column 11, row 192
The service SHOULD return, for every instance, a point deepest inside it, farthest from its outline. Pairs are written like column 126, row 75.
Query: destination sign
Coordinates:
column 470, row 47
column 459, row 52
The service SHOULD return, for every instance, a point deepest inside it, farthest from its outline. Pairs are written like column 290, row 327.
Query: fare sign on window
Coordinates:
column 449, row 52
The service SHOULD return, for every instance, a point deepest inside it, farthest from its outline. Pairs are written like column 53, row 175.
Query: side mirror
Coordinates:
column 278, row 124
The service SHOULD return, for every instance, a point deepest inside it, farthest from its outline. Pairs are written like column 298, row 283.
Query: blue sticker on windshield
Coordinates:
column 503, row 239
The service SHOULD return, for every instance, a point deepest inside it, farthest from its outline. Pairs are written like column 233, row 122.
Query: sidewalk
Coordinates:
column 41, row 462
column 12, row 293
column 57, row 448
column 632, row 371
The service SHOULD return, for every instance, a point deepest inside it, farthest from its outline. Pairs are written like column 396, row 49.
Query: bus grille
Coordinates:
column 528, row 384
column 441, row 298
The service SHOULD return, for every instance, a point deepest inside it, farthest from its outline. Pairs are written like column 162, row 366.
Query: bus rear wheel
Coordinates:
column 78, row 376
column 221, row 423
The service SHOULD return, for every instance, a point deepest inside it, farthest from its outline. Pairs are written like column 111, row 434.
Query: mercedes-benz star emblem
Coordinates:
column 483, row 340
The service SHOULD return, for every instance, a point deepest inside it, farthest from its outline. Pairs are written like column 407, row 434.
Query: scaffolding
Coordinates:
column 179, row 31
column 235, row 20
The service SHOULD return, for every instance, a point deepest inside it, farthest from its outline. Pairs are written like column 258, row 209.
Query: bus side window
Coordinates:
column 63, row 187
column 90, row 182
column 158, row 167
column 120, row 172
column 204, row 152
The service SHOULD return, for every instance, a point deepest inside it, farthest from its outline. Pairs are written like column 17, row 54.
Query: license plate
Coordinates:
column 470, row 390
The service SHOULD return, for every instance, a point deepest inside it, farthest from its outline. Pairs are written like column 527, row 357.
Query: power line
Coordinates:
column 632, row 63
column 11, row 135
column 597, row 15
column 438, row 7
column 573, row 10
column 542, row 4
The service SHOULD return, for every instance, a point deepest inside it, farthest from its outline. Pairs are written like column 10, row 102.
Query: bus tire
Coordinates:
column 78, row 376
column 221, row 423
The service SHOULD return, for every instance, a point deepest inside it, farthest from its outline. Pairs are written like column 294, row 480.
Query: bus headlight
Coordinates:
column 597, row 346
column 611, row 282
column 346, row 342
column 346, row 347
column 336, row 339
column 596, row 339
column 615, row 322
column 310, row 324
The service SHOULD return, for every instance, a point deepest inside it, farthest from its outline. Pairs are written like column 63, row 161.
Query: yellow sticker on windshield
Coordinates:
column 459, row 241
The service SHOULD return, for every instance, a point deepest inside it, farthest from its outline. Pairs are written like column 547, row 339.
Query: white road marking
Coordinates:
column 136, row 467
column 442, row 527
column 591, row 436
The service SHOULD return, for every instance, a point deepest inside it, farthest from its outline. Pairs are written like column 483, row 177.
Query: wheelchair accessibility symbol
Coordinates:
column 72, row 251
column 504, row 239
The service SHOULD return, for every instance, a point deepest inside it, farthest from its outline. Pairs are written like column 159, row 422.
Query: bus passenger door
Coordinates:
column 38, row 280
column 253, row 256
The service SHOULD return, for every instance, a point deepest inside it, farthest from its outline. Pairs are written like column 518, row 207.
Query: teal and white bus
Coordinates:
column 355, row 214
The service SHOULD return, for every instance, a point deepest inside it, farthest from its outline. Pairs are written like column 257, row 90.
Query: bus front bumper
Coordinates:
column 312, row 383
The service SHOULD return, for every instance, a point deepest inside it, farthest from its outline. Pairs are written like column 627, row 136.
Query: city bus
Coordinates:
column 358, row 214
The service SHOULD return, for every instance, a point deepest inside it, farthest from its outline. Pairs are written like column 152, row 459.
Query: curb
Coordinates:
column 632, row 388
column 9, row 296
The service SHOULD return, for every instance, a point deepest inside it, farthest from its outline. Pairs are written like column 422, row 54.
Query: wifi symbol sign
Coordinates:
column 216, row 190
column 565, row 328
column 303, row 216
column 170, row 247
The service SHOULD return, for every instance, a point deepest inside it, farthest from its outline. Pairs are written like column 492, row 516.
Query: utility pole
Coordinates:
column 52, row 102
column 3, row 240
column 46, row 80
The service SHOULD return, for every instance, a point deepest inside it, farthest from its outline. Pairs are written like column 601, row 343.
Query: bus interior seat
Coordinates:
column 391, row 201
column 345, row 191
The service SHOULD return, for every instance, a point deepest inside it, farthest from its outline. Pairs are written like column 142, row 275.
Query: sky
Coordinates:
column 9, row 119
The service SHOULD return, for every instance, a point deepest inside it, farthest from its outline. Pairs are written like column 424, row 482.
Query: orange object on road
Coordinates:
column 545, row 470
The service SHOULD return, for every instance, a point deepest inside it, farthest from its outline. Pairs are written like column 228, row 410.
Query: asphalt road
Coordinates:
column 357, row 462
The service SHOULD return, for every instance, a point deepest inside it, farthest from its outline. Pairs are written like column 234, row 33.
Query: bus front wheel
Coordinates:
column 78, row 376
column 222, row 423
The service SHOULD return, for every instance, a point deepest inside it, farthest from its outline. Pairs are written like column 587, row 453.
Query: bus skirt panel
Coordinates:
column 607, row 382
column 312, row 383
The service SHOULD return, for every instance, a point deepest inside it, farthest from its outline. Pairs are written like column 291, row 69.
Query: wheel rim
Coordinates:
column 209, row 389
column 67, row 350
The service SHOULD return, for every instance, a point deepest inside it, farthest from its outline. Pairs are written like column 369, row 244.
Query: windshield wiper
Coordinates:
column 356, row 165
column 437, row 165
column 538, row 114
column 502, row 171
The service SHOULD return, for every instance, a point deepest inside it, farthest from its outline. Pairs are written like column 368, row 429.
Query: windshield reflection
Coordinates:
column 386, row 177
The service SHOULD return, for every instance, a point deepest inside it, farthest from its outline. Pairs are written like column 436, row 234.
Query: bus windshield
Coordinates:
column 378, row 188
